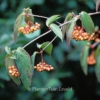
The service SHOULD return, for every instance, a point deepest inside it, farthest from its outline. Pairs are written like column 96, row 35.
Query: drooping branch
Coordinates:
column 60, row 25
column 95, row 13
column 95, row 44
column 38, row 16
column 42, row 17
column 37, row 38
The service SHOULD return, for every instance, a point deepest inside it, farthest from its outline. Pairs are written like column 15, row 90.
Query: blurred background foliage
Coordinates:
column 65, row 58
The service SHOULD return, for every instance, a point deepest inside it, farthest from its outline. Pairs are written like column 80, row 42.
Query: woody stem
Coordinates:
column 95, row 44
column 41, row 53
column 37, row 38
column 42, row 17
column 50, row 30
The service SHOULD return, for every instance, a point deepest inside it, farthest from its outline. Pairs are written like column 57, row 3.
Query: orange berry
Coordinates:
column 9, row 67
column 12, row 67
column 10, row 71
column 48, row 69
column 12, row 74
column 51, row 68
column 16, row 75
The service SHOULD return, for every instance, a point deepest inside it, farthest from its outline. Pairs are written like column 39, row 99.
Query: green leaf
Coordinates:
column 65, row 27
column 28, row 11
column 4, row 74
column 48, row 49
column 56, row 30
column 52, row 19
column 83, row 58
column 97, row 68
column 10, row 53
column 87, row 22
column 70, row 30
column 58, row 55
column 97, row 4
column 8, row 50
column 33, row 58
column 17, row 25
column 10, row 62
column 65, row 74
column 23, row 63
column 97, row 52
column 53, row 82
column 12, row 56
column 69, row 93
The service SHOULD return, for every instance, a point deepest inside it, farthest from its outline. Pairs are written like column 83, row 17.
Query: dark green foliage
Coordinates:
column 10, row 62
column 17, row 25
column 33, row 59
column 87, row 22
column 28, row 12
column 66, row 27
column 55, row 28
column 23, row 64
column 97, row 52
column 8, row 50
column 66, row 74
column 48, row 49
column 70, row 29
column 83, row 58
column 97, row 68
column 51, row 19
column 10, row 53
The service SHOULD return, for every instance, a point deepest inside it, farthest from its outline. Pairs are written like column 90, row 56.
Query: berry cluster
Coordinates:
column 80, row 35
column 29, row 28
column 90, row 59
column 42, row 66
column 13, row 71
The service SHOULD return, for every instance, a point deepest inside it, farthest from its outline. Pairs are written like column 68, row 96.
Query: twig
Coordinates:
column 65, row 23
column 78, row 16
column 42, row 17
column 38, row 16
column 95, row 44
column 51, row 30
column 94, row 13
column 49, row 43
column 37, row 38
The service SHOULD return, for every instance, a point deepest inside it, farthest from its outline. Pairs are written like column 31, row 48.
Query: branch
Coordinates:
column 60, row 25
column 79, row 16
column 45, row 34
column 95, row 44
column 94, row 13
column 37, row 38
column 65, row 23
column 42, row 17
column 38, row 16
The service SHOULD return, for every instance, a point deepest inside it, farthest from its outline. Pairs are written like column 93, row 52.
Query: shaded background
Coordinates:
column 65, row 59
